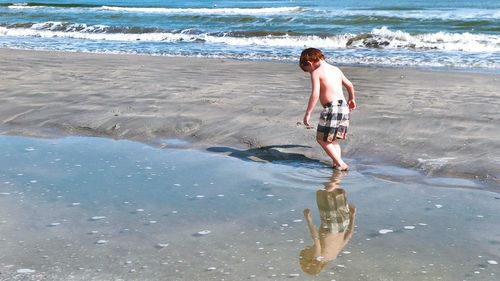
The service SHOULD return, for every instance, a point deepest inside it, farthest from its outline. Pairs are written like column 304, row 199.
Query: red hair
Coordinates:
column 312, row 55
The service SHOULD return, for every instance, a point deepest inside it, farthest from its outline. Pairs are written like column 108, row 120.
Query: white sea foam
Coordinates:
column 206, row 11
column 256, row 48
column 441, row 14
column 446, row 41
column 20, row 6
column 81, row 31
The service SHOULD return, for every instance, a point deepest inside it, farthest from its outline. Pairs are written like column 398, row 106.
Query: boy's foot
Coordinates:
column 341, row 168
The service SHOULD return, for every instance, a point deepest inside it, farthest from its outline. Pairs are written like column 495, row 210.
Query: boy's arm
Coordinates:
column 350, row 89
column 313, row 99
column 313, row 232
column 350, row 228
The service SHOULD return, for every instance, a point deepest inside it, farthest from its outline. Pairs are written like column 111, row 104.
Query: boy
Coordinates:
column 327, row 81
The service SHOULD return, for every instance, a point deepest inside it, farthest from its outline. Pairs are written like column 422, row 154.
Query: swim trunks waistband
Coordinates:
column 339, row 103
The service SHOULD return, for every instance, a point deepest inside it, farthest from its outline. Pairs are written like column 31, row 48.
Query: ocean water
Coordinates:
column 99, row 209
column 458, row 34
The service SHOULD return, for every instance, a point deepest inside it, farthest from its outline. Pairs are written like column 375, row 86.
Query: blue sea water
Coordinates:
column 424, row 33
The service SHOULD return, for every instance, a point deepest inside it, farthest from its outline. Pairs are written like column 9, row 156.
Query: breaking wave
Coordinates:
column 161, row 10
column 377, row 38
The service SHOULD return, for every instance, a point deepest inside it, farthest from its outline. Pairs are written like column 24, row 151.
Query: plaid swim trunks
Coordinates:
column 333, row 121
column 333, row 210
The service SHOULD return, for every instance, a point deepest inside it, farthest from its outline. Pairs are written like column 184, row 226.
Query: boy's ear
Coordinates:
column 305, row 64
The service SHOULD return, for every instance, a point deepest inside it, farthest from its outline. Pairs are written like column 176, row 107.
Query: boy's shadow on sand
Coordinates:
column 269, row 154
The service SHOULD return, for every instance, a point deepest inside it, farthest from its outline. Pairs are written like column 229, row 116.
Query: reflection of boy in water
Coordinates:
column 337, row 221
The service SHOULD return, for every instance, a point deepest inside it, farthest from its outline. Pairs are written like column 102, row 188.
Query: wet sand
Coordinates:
column 438, row 123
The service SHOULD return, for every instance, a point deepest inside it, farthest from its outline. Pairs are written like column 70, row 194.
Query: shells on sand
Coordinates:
column 385, row 231
column 96, row 218
column 161, row 245
column 101, row 242
column 26, row 270
column 202, row 233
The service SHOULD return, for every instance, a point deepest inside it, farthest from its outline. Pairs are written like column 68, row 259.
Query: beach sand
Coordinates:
column 443, row 124
column 85, row 208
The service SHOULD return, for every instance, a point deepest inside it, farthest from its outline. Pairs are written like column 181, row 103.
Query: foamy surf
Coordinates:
column 378, row 38
column 409, row 34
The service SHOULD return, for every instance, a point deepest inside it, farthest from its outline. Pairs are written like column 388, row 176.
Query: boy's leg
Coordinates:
column 336, row 145
column 334, row 153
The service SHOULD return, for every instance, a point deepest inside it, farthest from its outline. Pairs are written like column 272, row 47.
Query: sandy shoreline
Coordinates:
column 443, row 123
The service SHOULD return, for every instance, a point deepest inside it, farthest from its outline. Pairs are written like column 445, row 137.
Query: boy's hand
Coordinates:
column 352, row 104
column 307, row 117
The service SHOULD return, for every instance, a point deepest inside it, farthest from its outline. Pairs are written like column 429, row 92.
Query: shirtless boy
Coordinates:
column 327, row 81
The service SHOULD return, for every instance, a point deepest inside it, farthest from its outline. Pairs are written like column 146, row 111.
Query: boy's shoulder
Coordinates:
column 332, row 68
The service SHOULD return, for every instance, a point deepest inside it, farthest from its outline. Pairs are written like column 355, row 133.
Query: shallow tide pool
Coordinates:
column 99, row 209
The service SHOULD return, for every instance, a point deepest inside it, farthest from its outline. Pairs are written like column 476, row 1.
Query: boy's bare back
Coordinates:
column 330, row 79
column 327, row 82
